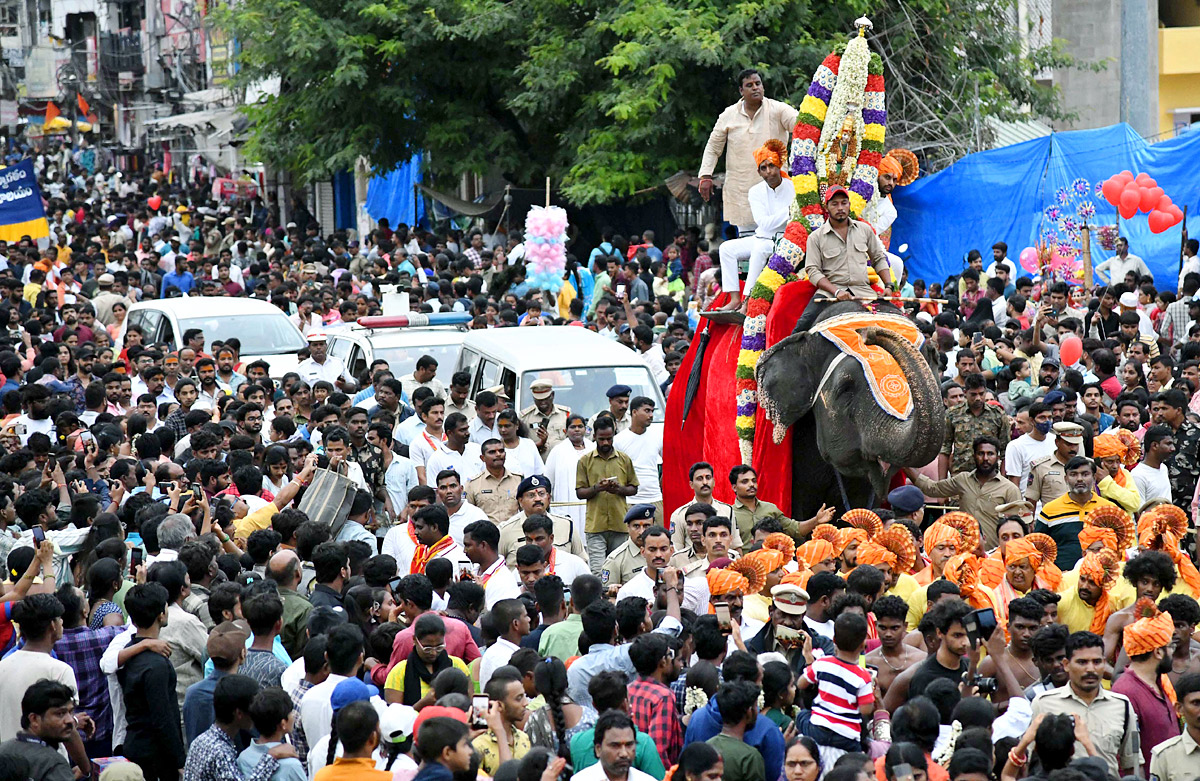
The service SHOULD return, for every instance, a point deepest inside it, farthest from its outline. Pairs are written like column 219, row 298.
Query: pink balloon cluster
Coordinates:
column 545, row 250
column 1132, row 194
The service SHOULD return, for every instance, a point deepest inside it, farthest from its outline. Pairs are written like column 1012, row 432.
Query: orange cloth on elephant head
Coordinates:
column 888, row 383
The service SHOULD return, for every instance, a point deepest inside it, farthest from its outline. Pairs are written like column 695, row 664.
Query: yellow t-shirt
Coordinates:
column 259, row 519
column 905, row 585
column 395, row 678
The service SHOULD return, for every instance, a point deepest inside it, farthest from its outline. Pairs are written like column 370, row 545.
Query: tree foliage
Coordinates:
column 607, row 98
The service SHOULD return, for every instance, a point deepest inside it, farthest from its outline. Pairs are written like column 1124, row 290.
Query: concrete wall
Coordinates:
column 1178, row 72
column 1092, row 30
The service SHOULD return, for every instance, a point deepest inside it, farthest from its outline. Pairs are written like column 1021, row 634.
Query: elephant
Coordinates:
column 847, row 432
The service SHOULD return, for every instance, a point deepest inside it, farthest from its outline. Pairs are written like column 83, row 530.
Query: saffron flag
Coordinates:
column 81, row 101
column 51, row 112
column 21, row 210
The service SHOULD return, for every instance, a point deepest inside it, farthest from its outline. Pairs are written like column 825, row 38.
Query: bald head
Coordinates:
column 284, row 569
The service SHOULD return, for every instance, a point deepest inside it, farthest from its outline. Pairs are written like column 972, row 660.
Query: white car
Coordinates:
column 265, row 332
column 401, row 340
column 581, row 364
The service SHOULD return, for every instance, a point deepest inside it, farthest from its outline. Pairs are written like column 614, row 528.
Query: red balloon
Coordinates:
column 154, row 202
column 1070, row 351
column 1159, row 221
column 1131, row 200
column 1164, row 204
column 1144, row 180
column 1150, row 196
column 1124, row 176
column 1111, row 190
column 1175, row 212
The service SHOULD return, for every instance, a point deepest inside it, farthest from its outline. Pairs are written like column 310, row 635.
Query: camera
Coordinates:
column 984, row 686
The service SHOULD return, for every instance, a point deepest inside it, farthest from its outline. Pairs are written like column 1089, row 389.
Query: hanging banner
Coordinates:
column 21, row 209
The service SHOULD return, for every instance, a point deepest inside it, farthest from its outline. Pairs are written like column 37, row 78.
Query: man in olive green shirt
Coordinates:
column 561, row 640
column 284, row 569
column 603, row 478
column 748, row 509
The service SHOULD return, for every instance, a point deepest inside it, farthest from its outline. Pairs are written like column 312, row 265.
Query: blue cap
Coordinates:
column 640, row 512
column 351, row 690
column 433, row 287
column 618, row 390
column 906, row 499
column 1054, row 397
column 532, row 482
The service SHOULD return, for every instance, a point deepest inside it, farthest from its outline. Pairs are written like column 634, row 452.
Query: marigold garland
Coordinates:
column 828, row 99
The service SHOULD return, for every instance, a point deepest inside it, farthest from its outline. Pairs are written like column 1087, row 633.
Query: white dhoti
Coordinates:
column 733, row 251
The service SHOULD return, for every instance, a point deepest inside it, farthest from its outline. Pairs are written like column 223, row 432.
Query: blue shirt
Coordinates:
column 198, row 706
column 185, row 282
column 289, row 769
column 764, row 736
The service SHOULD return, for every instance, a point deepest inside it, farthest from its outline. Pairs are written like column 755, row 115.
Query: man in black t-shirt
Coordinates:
column 950, row 661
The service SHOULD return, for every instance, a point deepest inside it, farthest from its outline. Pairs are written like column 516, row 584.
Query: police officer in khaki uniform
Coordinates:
column 692, row 557
column 533, row 497
column 546, row 421
column 494, row 490
column 618, row 408
column 1047, row 475
column 627, row 560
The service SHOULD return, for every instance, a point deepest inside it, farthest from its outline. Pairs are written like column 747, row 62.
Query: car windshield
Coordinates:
column 265, row 334
column 403, row 360
column 584, row 389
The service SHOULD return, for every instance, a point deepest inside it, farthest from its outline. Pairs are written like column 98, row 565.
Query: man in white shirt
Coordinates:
column 643, row 444
column 483, row 425
column 424, row 376
column 320, row 365
column 1128, row 302
column 429, row 440
column 450, row 494
column 511, row 620
column 1000, row 258
column 770, row 204
column 1027, row 448
column 400, row 542
column 344, row 650
column 458, row 452
column 1115, row 268
column 657, row 551
column 399, row 474
column 539, row 531
column 36, row 419
column 481, row 542
column 1151, row 476
column 1191, row 263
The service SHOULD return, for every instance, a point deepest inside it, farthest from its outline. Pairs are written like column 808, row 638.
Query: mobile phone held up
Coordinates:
column 135, row 560
column 479, row 707
column 724, row 618
column 39, row 535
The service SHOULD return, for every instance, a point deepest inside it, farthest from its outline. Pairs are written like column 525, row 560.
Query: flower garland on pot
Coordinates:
column 846, row 94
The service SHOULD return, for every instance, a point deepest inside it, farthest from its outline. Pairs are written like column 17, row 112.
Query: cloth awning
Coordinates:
column 468, row 208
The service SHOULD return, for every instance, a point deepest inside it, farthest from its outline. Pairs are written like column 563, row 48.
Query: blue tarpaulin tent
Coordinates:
column 1000, row 195
column 392, row 195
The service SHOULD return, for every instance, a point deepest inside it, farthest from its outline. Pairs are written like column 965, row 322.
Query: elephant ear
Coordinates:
column 787, row 380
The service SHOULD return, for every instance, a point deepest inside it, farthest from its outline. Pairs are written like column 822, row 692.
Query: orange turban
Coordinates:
column 873, row 553
column 829, row 533
column 963, row 571
column 754, row 570
column 862, row 518
column 1153, row 630
column 723, row 581
column 847, row 536
column 1092, row 534
column 772, row 557
column 773, row 150
column 1022, row 548
column 813, row 552
column 890, row 165
column 797, row 578
column 938, row 534
column 1107, row 446
column 1101, row 569
column 782, row 543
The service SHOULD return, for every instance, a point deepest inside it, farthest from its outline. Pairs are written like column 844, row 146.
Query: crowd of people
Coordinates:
column 507, row 595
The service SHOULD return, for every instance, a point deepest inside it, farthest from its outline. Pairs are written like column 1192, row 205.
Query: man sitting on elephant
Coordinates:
column 837, row 256
column 748, row 509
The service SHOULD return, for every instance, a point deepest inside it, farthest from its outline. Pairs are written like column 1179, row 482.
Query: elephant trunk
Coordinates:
column 916, row 441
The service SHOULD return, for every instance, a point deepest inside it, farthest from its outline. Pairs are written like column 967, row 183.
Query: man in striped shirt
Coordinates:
column 845, row 691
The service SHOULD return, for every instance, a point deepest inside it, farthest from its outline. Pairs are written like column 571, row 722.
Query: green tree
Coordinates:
column 607, row 98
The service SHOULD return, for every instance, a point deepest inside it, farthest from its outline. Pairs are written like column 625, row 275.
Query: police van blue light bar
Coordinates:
column 414, row 320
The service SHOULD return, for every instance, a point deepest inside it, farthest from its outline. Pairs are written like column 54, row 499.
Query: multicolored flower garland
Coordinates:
column 808, row 214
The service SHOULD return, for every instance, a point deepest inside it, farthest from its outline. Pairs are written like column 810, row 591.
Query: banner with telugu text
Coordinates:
column 21, row 209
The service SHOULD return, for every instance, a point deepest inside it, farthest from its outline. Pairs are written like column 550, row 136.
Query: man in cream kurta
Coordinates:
column 741, row 129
